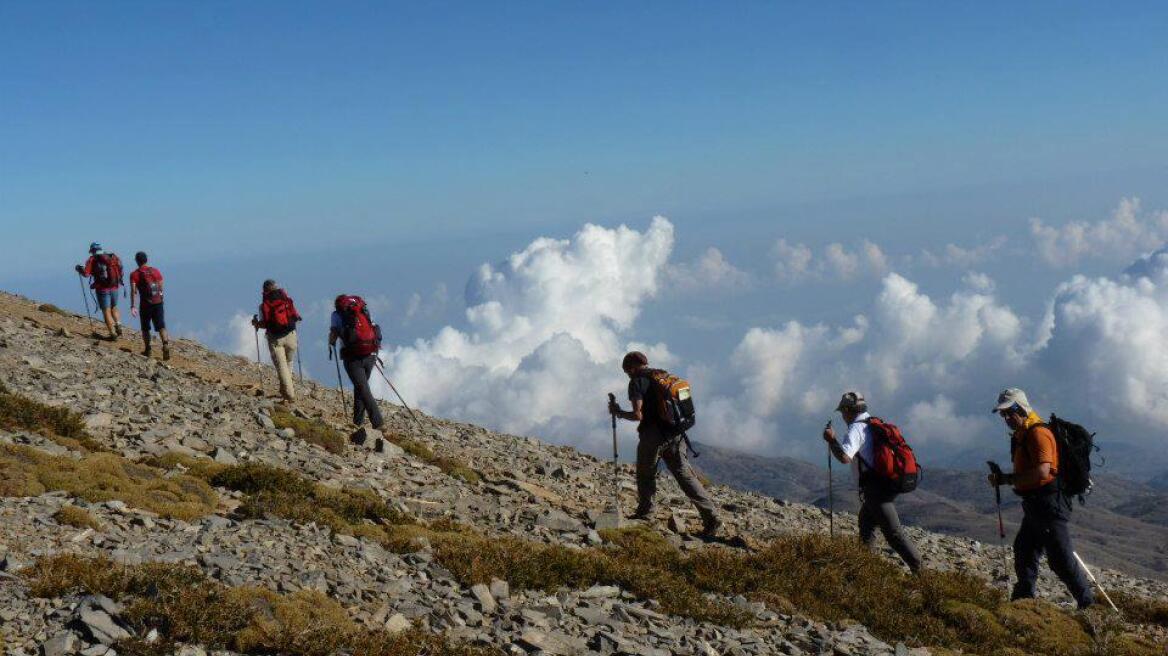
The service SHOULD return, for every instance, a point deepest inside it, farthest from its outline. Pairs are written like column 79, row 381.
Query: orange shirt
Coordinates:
column 1031, row 447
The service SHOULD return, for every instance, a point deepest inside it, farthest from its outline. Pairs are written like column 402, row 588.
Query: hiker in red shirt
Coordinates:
column 147, row 281
column 105, row 271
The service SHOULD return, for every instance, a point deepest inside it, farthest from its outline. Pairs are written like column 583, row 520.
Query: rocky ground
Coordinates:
column 213, row 405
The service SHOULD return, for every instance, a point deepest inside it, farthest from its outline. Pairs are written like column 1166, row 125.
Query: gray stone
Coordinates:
column 99, row 626
column 483, row 594
column 558, row 520
column 600, row 591
column 65, row 642
column 397, row 623
column 500, row 589
column 223, row 456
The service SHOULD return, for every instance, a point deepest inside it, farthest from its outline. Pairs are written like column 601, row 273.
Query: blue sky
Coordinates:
column 394, row 148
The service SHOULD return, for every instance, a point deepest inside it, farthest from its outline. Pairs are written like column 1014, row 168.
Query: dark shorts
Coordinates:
column 152, row 314
column 107, row 300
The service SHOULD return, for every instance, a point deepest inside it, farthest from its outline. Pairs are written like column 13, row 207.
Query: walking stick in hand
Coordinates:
column 830, row 491
column 997, row 472
column 615, row 458
column 340, row 385
column 85, row 296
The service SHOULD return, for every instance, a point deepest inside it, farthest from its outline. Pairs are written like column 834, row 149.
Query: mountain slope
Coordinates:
column 180, row 490
column 1122, row 525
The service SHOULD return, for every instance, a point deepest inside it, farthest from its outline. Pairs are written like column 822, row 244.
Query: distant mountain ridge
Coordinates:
column 1123, row 523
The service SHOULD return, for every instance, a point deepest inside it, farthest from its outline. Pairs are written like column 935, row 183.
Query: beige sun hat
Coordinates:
column 852, row 402
column 1010, row 397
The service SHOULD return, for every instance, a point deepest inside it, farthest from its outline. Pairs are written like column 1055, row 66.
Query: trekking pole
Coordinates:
column 381, row 371
column 997, row 471
column 1094, row 580
column 830, row 491
column 615, row 461
column 85, row 297
column 299, row 367
column 340, row 385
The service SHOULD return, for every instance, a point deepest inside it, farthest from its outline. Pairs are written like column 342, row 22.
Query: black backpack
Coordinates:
column 1075, row 447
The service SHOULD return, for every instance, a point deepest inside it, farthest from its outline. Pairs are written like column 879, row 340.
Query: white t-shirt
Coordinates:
column 856, row 442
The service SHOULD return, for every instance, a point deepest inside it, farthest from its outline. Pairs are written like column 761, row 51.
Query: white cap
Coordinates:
column 1010, row 397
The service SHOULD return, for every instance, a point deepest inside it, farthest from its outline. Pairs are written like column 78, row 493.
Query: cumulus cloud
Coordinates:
column 899, row 354
column 797, row 262
column 1107, row 347
column 710, row 271
column 545, row 330
column 960, row 257
column 1126, row 233
column 431, row 305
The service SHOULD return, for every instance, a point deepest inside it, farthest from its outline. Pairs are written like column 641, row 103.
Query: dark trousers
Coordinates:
column 878, row 510
column 359, row 370
column 1044, row 529
column 653, row 447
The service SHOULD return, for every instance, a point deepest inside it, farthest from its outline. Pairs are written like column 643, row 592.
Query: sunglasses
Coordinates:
column 1015, row 409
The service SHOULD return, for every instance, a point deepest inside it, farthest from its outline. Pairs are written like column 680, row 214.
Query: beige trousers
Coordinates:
column 283, row 352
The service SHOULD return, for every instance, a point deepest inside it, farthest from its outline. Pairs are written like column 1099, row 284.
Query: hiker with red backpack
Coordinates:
column 360, row 342
column 278, row 317
column 662, row 406
column 1046, row 493
column 885, row 467
column 105, row 273
column 147, row 281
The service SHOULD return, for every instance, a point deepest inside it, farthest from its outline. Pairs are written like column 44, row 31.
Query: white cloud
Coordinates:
column 711, row 271
column 941, row 421
column 963, row 257
column 1125, row 234
column 794, row 263
column 1107, row 348
column 544, row 336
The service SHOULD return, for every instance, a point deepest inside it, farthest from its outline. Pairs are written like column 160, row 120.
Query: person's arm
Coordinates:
column 133, row 295
column 836, row 450
column 632, row 415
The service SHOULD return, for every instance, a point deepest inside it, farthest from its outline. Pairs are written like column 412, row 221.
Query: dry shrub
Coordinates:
column 283, row 493
column 183, row 605
column 104, row 477
column 76, row 517
column 20, row 413
column 450, row 466
column 1141, row 609
column 313, row 431
column 52, row 309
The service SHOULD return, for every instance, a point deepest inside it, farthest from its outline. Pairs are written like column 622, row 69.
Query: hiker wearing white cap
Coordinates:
column 1045, row 512
column 877, row 494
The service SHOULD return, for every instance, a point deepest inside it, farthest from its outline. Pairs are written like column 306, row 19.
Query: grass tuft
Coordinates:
column 185, row 606
column 313, row 431
column 1142, row 609
column 450, row 466
column 52, row 309
column 20, row 413
column 97, row 477
column 76, row 517
column 834, row 580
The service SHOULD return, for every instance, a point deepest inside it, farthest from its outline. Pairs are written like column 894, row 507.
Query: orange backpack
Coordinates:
column 675, row 406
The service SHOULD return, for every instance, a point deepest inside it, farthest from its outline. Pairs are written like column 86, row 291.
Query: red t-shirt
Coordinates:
column 139, row 280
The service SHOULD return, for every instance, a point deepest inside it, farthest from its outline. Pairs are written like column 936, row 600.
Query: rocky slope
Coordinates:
column 1122, row 525
column 218, row 407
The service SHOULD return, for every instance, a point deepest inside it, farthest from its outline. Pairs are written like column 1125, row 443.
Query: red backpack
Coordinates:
column 279, row 312
column 150, row 285
column 360, row 335
column 893, row 460
column 107, row 270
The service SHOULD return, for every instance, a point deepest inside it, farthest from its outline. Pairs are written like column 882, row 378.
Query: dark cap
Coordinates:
column 634, row 359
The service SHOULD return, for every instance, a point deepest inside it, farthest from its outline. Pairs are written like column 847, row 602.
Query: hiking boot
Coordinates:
column 641, row 515
column 1085, row 604
column 146, row 351
column 165, row 351
column 710, row 527
column 118, row 329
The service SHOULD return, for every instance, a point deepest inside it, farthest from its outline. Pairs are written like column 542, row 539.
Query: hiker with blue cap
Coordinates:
column 105, row 273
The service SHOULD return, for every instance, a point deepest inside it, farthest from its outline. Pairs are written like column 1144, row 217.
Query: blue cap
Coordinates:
column 94, row 247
